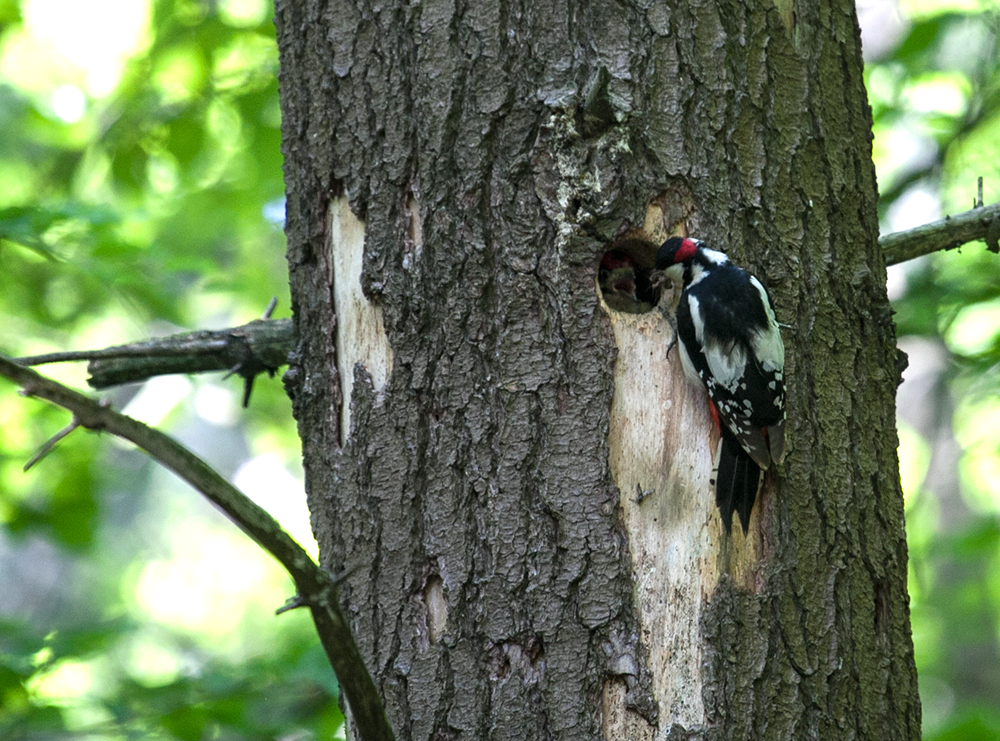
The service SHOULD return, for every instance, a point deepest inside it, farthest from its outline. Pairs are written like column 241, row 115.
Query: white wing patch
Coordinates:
column 696, row 319
column 726, row 364
column 767, row 344
column 699, row 333
column 689, row 369
column 697, row 273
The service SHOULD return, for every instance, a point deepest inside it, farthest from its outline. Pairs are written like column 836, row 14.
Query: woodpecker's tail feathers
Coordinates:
column 752, row 440
column 776, row 441
column 765, row 445
column 737, row 479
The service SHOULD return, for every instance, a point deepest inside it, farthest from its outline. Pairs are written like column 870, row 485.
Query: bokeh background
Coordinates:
column 141, row 195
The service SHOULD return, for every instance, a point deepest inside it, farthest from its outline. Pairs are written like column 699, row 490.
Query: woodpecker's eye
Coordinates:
column 625, row 276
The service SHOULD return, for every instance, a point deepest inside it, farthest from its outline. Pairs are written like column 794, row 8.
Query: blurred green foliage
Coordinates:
column 936, row 104
column 141, row 194
column 145, row 196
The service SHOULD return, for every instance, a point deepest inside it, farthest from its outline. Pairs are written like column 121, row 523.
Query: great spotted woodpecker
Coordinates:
column 730, row 343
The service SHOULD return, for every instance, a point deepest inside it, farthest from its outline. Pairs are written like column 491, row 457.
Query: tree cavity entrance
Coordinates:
column 624, row 276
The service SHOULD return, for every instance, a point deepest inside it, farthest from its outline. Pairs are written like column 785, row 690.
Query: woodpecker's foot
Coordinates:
column 672, row 320
column 671, row 345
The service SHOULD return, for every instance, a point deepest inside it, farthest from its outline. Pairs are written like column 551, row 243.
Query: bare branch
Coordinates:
column 260, row 346
column 982, row 222
column 315, row 587
column 174, row 346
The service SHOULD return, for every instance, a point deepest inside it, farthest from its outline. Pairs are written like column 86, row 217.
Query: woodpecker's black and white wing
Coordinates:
column 769, row 351
column 742, row 358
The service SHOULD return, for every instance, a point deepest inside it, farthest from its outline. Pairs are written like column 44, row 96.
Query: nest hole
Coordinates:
column 625, row 276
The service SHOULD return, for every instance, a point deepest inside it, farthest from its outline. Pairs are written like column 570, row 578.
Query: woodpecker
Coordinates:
column 730, row 343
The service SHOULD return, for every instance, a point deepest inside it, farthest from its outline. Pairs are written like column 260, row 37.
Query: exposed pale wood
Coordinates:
column 361, row 339
column 618, row 721
column 661, row 439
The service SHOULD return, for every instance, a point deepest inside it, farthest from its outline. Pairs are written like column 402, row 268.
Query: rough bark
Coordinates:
column 476, row 458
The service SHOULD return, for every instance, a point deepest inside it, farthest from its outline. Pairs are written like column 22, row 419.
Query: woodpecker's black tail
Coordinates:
column 737, row 478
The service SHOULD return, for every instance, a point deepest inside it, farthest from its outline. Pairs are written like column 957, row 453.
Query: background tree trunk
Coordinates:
column 475, row 423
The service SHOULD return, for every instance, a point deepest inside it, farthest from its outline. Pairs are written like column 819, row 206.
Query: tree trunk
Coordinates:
column 475, row 421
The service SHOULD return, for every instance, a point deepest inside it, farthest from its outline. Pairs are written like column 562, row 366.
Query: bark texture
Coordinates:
column 491, row 152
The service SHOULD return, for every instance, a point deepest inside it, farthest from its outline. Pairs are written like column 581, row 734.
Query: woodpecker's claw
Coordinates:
column 673, row 325
column 671, row 345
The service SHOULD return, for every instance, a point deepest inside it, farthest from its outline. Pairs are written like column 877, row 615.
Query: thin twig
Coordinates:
column 946, row 234
column 314, row 586
column 642, row 494
column 274, row 302
column 292, row 603
column 49, row 445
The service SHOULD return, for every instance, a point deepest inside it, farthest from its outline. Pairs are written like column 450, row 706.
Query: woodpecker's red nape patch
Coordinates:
column 686, row 251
